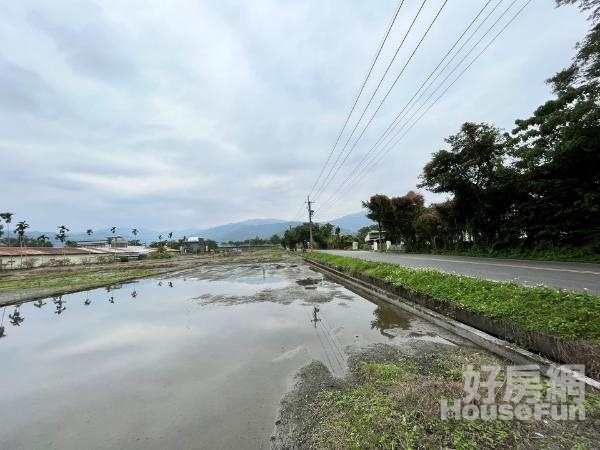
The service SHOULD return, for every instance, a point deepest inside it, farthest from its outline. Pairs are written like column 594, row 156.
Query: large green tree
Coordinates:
column 379, row 209
column 474, row 171
column 557, row 154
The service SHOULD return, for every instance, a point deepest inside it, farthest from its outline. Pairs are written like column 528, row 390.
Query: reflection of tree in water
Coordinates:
column 15, row 318
column 134, row 294
column 387, row 318
column 39, row 303
column 170, row 284
column 60, row 304
column 111, row 299
column 2, row 322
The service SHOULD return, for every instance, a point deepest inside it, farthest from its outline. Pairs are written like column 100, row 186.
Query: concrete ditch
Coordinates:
column 497, row 337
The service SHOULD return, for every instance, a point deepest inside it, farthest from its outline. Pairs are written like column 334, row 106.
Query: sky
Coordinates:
column 182, row 114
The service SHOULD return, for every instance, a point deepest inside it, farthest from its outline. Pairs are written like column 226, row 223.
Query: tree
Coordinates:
column 557, row 153
column 20, row 230
column 428, row 226
column 62, row 236
column 405, row 210
column 275, row 239
column 7, row 217
column 379, row 208
column 135, row 231
column 210, row 244
column 89, row 232
column 473, row 170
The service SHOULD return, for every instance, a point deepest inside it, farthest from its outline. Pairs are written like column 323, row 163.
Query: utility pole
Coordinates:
column 310, row 214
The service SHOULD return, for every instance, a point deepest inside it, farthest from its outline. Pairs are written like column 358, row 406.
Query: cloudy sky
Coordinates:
column 171, row 115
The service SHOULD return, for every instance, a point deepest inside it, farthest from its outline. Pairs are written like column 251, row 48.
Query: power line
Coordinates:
column 319, row 190
column 395, row 122
column 385, row 96
column 389, row 147
column 362, row 87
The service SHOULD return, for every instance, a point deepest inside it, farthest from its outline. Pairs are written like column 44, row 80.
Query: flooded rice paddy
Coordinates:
column 194, row 361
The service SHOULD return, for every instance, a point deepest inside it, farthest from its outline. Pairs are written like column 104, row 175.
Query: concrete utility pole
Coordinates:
column 310, row 214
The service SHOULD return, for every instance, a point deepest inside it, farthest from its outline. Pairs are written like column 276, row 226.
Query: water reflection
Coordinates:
column 387, row 318
column 15, row 318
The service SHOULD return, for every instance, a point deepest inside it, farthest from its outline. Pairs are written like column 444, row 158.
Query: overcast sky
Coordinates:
column 171, row 115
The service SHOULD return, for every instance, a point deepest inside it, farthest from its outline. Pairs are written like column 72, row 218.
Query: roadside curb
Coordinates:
column 482, row 339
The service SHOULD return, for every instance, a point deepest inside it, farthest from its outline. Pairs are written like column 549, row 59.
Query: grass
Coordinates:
column 567, row 314
column 396, row 404
column 83, row 278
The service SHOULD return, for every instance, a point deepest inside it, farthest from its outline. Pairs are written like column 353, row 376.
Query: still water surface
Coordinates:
column 198, row 361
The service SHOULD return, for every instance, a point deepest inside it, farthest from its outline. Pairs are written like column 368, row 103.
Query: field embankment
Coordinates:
column 391, row 400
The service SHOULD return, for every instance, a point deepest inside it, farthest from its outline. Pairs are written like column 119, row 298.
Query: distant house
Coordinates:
column 372, row 238
column 193, row 245
column 110, row 242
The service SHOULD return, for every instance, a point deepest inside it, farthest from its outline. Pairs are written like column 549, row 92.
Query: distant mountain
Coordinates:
column 238, row 231
column 352, row 222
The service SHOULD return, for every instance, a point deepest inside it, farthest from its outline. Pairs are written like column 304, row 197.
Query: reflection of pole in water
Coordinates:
column 87, row 298
column 264, row 274
column 315, row 318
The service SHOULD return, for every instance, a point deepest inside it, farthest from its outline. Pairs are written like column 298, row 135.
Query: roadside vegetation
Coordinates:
column 567, row 314
column 392, row 401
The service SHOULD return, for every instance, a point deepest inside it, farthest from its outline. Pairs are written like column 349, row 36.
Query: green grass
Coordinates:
column 396, row 405
column 81, row 279
column 568, row 314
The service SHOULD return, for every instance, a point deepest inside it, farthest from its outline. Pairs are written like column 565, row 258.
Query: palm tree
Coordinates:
column 62, row 236
column 89, row 232
column 113, row 230
column 43, row 239
column 170, row 235
column 135, row 231
column 160, row 237
column 20, row 230
column 7, row 217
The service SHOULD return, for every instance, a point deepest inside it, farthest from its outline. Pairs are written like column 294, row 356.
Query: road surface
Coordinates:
column 572, row 276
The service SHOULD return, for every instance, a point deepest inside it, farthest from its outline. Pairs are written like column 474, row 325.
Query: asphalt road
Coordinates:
column 572, row 276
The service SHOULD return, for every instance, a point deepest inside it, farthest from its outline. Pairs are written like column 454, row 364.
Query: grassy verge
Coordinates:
column 395, row 403
column 570, row 315
column 83, row 279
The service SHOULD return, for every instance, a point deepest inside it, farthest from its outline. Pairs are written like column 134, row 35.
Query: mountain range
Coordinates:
column 238, row 231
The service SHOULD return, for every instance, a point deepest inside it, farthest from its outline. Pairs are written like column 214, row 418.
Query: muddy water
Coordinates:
column 197, row 361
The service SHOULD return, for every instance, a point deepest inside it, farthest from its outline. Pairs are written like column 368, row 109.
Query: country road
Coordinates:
column 572, row 276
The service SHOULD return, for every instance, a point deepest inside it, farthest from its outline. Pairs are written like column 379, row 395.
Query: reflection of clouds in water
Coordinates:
column 389, row 318
column 291, row 354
